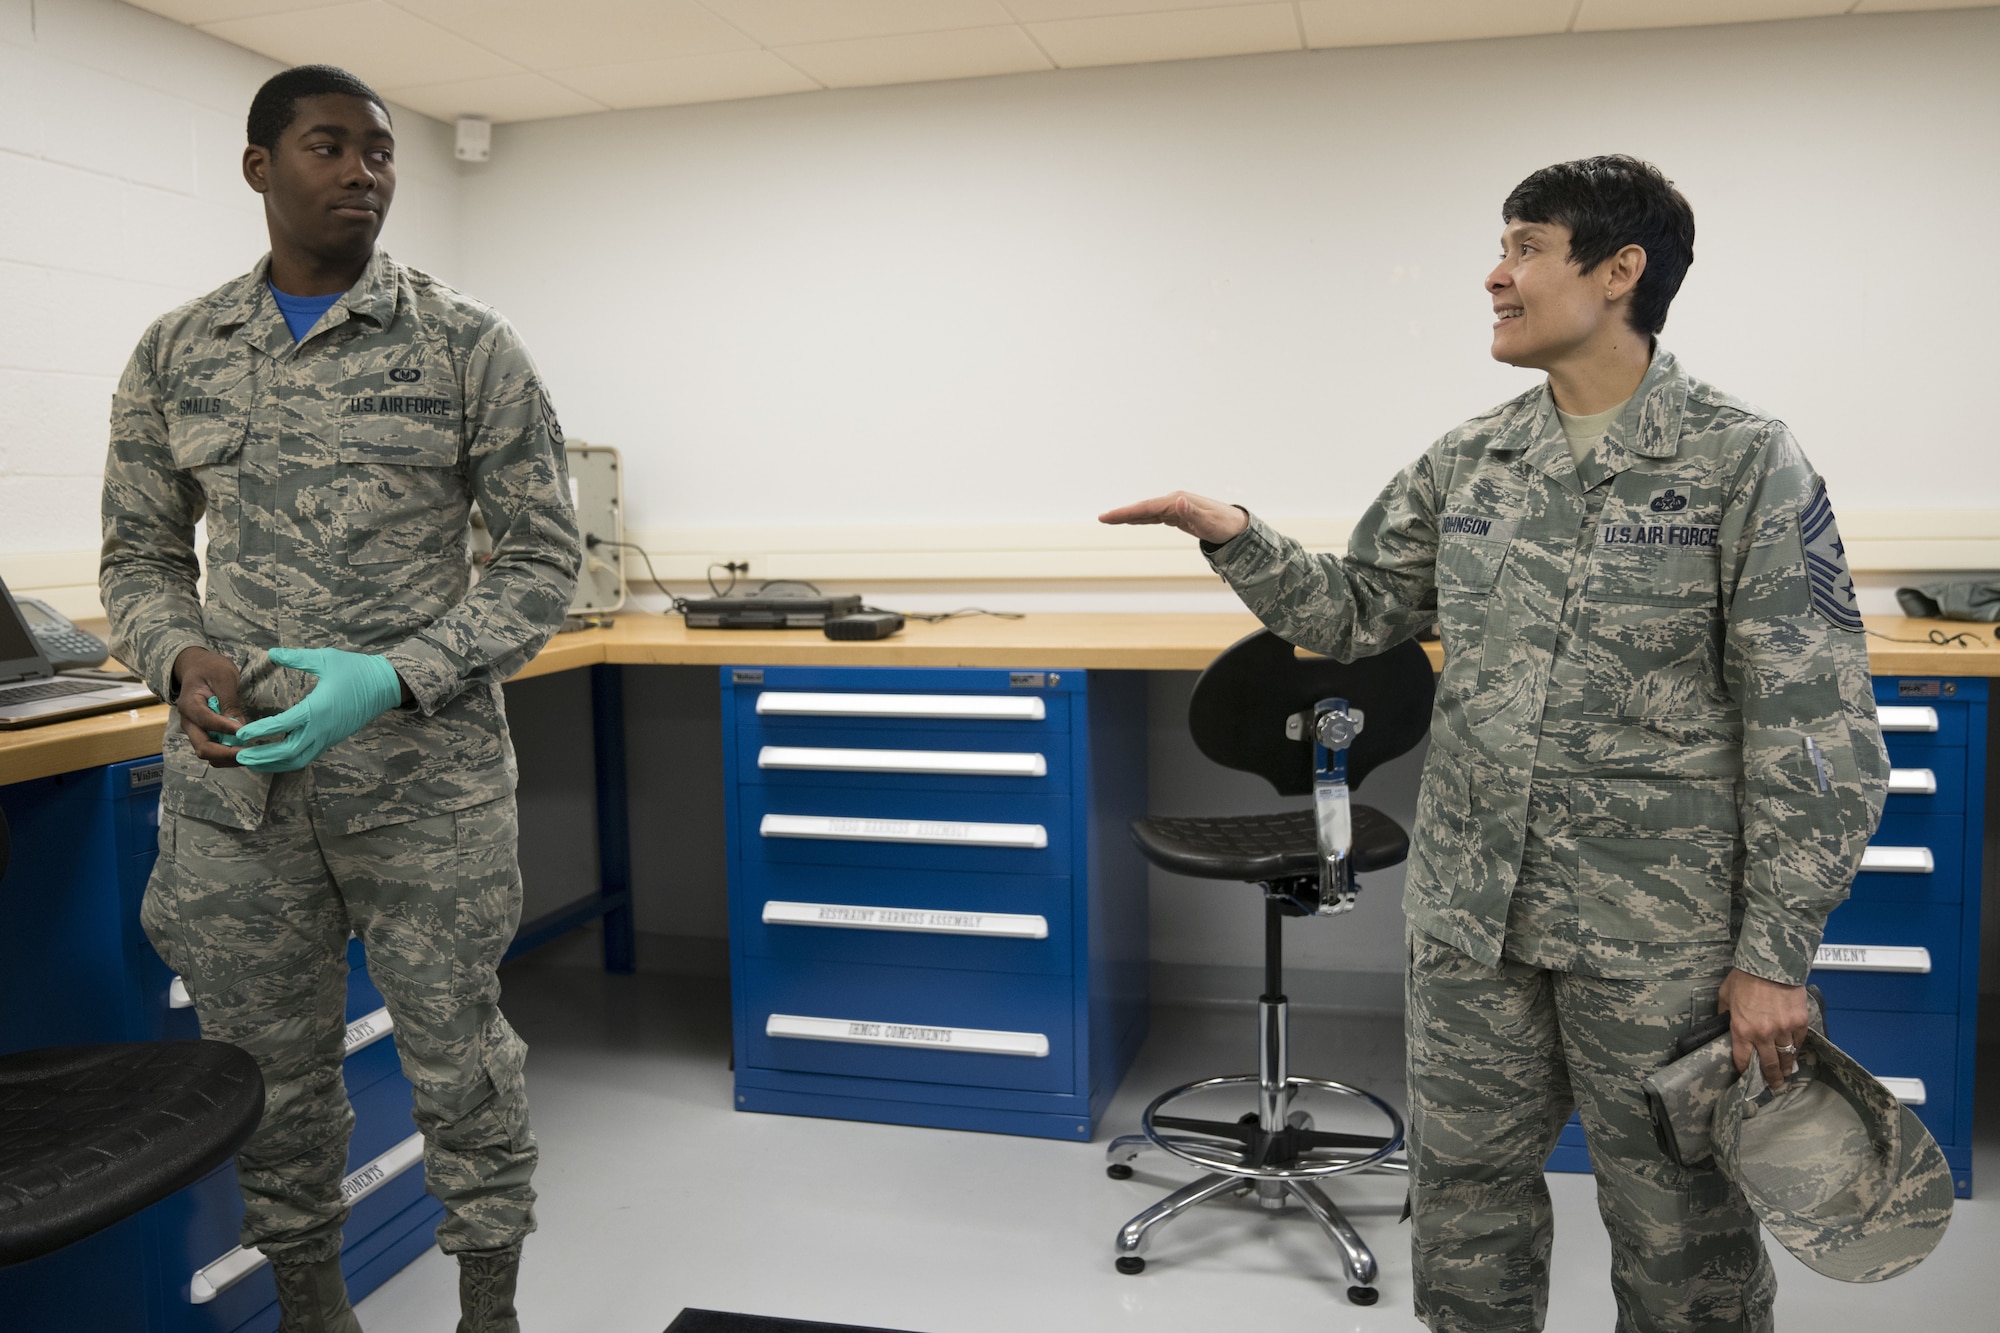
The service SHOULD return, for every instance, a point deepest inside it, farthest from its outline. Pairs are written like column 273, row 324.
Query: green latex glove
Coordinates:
column 353, row 690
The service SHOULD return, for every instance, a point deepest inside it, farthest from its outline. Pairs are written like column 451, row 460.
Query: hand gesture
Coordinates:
column 207, row 703
column 1197, row 515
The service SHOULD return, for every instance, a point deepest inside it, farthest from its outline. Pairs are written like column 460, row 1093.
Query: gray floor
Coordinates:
column 655, row 1196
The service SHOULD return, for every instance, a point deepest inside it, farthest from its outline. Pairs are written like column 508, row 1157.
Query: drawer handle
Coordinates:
column 211, row 1280
column 177, row 995
column 978, row 707
column 1912, row 782
column 1908, row 1091
column 978, row 1041
column 368, row 1029
column 1906, row 717
column 943, row 832
column 1872, row 958
column 1898, row 860
column 927, row 920
column 962, row 763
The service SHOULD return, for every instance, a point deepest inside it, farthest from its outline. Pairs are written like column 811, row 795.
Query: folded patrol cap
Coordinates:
column 1843, row 1175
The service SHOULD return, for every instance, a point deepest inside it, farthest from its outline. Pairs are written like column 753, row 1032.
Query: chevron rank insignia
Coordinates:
column 1826, row 564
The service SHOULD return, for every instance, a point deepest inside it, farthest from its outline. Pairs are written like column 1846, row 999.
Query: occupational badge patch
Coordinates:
column 1826, row 563
column 1669, row 501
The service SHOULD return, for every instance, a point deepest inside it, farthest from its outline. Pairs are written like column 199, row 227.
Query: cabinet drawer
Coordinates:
column 1899, row 839
column 777, row 712
column 1873, row 952
column 1027, row 835
column 1903, row 1047
column 1910, row 725
column 906, row 918
column 1932, row 783
column 922, row 1025
column 895, row 758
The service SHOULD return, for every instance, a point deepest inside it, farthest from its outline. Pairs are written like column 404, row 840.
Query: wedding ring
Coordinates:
column 1788, row 1050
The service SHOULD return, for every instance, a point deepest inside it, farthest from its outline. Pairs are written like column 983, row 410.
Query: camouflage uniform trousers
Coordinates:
column 256, row 922
column 1498, row 1058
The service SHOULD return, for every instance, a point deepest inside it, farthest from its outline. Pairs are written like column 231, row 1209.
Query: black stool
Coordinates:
column 92, row 1134
column 1253, row 710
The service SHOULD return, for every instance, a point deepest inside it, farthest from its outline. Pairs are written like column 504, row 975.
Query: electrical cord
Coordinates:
column 1962, row 639
column 679, row 605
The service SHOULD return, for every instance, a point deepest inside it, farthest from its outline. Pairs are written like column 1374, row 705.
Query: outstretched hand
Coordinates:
column 1197, row 515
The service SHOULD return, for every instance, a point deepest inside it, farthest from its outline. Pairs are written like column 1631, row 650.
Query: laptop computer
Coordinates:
column 31, row 693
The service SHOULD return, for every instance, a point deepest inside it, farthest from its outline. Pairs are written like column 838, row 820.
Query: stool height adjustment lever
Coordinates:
column 1334, row 727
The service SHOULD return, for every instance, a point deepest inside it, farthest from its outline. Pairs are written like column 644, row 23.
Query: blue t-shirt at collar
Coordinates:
column 302, row 312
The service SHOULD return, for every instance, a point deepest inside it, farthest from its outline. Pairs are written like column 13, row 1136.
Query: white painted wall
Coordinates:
column 121, row 196
column 1026, row 298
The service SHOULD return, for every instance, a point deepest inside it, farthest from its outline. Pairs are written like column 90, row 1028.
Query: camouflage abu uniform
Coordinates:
column 336, row 475
column 1654, row 757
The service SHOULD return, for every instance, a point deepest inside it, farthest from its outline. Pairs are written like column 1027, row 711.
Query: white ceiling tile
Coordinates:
column 1600, row 15
column 918, row 57
column 211, row 11
column 503, row 98
column 1188, row 34
column 798, row 22
column 387, row 46
column 545, row 36
column 714, row 78
column 1372, row 23
column 1048, row 11
column 1905, row 6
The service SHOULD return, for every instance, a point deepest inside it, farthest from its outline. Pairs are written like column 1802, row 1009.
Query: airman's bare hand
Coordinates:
column 1211, row 520
column 201, row 675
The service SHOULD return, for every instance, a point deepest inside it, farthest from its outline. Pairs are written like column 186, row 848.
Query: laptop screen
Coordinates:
column 19, row 654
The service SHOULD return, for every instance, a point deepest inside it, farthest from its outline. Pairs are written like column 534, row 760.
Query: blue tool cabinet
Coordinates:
column 75, row 967
column 1899, row 963
column 937, row 916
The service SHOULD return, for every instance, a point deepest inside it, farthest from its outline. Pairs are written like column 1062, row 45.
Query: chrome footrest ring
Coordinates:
column 1179, row 1144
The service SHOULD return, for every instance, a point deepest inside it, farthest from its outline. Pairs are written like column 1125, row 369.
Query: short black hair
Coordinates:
column 1609, row 203
column 276, row 104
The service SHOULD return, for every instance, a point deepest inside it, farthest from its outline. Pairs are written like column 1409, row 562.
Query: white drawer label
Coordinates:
column 1898, row 860
column 969, row 763
column 978, row 1041
column 978, row 707
column 1906, row 717
column 904, row 830
column 1872, row 958
column 1912, row 782
column 368, row 1029
column 211, row 1280
column 1003, row 925
column 1908, row 1091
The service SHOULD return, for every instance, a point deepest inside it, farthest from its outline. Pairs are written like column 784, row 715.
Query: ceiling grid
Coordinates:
column 510, row 60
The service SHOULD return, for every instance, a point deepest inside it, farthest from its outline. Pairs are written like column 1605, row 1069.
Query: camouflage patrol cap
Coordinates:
column 1843, row 1175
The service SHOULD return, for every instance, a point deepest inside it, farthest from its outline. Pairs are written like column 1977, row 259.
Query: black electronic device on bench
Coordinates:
column 759, row 611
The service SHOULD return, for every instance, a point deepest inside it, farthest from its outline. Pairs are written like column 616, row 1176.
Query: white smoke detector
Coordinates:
column 475, row 139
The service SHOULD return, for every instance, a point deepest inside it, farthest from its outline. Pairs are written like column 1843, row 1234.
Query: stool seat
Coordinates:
column 1259, row 848
column 92, row 1134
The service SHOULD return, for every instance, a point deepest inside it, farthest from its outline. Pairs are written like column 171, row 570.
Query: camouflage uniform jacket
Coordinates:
column 1654, row 752
column 336, row 476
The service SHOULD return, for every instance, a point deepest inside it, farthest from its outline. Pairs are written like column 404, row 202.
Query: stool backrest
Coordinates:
column 1240, row 704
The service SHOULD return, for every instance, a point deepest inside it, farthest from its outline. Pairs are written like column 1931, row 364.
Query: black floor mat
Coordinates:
column 716, row 1321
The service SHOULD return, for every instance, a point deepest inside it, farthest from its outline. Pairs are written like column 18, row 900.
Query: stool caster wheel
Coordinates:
column 1360, row 1295
column 1118, row 1171
column 1131, row 1265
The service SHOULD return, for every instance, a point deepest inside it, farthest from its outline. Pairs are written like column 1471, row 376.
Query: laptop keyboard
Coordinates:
column 46, row 689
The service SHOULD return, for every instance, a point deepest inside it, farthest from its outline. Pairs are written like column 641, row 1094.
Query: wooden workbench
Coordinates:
column 1108, row 642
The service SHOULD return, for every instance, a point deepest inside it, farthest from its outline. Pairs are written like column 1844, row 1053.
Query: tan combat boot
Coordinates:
column 486, row 1290
column 312, row 1298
